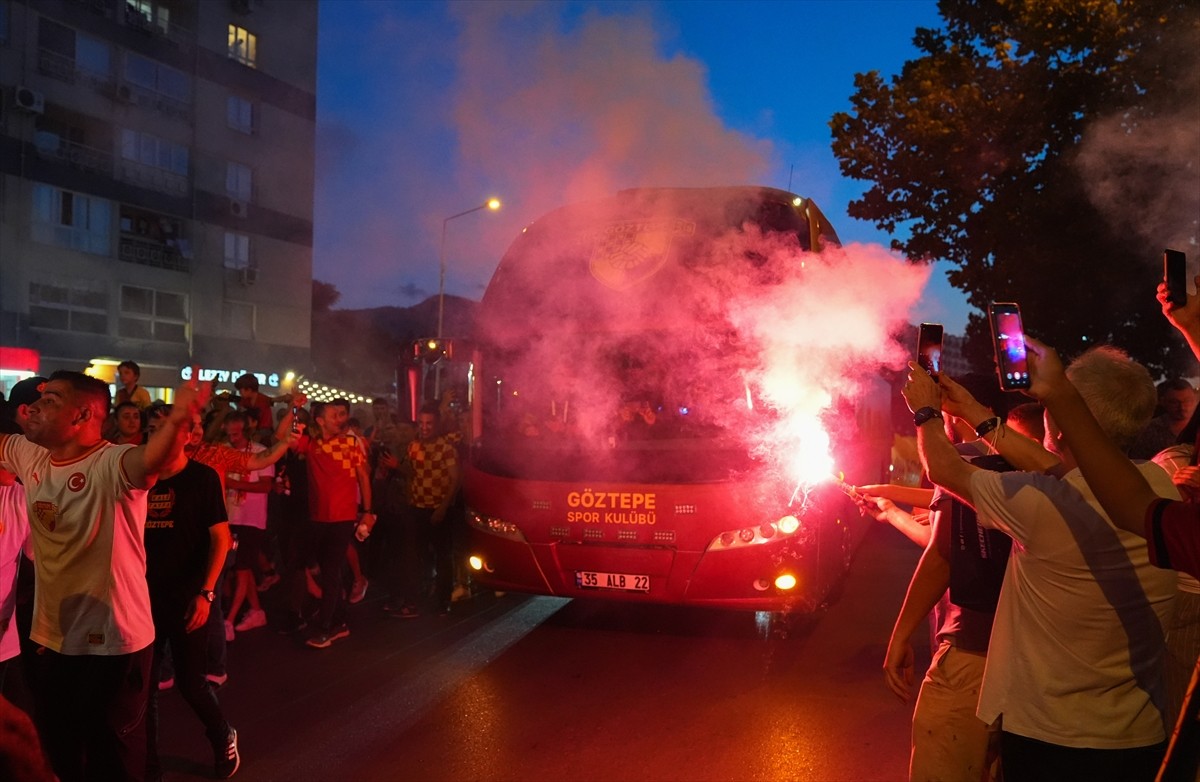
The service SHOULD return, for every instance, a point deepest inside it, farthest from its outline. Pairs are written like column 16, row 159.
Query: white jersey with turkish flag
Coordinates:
column 87, row 521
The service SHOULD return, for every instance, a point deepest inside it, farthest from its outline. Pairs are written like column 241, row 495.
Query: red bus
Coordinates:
column 621, row 444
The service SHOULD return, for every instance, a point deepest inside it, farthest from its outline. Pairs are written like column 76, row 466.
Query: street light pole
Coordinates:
column 493, row 204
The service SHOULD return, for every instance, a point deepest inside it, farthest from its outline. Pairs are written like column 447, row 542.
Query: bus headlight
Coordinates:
column 768, row 532
column 494, row 526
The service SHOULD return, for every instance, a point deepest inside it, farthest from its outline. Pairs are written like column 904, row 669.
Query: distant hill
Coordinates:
column 358, row 349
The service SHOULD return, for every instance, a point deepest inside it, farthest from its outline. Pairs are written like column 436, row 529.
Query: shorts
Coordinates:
column 251, row 542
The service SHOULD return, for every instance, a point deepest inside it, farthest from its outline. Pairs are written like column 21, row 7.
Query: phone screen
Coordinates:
column 1175, row 275
column 296, row 420
column 929, row 348
column 1008, row 337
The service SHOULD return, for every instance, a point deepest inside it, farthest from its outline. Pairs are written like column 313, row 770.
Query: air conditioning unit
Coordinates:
column 249, row 275
column 238, row 208
column 125, row 94
column 30, row 100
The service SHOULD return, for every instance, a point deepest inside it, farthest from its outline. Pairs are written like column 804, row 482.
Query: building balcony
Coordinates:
column 152, row 177
column 54, row 147
column 128, row 92
column 150, row 253
column 64, row 68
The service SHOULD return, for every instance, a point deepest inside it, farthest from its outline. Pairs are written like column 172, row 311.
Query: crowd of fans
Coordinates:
column 1065, row 641
column 200, row 506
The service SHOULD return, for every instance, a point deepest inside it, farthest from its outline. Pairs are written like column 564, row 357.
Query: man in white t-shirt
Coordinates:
column 246, row 501
column 1074, row 669
column 87, row 511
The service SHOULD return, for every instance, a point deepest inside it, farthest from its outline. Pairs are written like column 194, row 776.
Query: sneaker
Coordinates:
column 269, row 580
column 166, row 683
column 460, row 593
column 216, row 679
column 226, row 757
column 359, row 591
column 229, row 631
column 325, row 639
column 254, row 618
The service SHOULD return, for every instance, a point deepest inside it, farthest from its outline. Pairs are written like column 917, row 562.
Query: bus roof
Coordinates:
column 645, row 258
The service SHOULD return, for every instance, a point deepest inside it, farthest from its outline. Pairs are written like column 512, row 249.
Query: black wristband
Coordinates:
column 925, row 414
column 987, row 426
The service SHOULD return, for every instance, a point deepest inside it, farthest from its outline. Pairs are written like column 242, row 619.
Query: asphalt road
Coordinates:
column 536, row 688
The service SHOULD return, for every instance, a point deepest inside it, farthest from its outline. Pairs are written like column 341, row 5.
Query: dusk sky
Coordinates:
column 427, row 109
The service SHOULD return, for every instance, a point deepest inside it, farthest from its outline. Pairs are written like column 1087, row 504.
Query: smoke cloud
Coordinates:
column 673, row 315
column 1143, row 167
column 588, row 108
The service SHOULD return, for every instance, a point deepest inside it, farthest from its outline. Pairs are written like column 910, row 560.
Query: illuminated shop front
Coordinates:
column 16, row 364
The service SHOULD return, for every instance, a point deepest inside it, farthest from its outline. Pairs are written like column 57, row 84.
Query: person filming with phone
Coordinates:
column 1074, row 664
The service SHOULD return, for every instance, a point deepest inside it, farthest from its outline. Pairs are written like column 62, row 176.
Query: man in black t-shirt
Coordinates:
column 187, row 538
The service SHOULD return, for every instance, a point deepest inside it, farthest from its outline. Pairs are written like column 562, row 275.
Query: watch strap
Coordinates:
column 925, row 414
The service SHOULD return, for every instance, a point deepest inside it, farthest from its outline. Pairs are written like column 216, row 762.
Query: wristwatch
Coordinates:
column 208, row 595
column 925, row 414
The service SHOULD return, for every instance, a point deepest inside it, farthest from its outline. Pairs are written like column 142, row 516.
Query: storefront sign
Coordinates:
column 230, row 375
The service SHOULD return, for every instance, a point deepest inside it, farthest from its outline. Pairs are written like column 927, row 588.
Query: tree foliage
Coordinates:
column 324, row 296
column 973, row 152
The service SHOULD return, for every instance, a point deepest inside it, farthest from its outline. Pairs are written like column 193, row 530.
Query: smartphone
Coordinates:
column 1175, row 275
column 296, row 420
column 929, row 348
column 1008, row 337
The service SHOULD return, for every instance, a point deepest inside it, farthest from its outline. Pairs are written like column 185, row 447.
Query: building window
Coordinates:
column 237, row 251
column 152, row 314
column 243, row 45
column 78, row 305
column 238, row 181
column 67, row 54
column 69, row 219
column 159, row 80
column 237, row 319
column 143, row 15
column 239, row 114
column 154, row 151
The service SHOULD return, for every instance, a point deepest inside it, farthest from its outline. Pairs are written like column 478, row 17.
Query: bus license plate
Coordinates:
column 588, row 579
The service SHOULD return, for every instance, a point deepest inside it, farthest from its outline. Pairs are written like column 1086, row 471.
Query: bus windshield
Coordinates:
column 610, row 344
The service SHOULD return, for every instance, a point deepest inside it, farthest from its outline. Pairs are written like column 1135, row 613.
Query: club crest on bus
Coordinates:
column 632, row 251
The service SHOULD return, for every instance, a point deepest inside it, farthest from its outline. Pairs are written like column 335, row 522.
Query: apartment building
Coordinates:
column 156, row 186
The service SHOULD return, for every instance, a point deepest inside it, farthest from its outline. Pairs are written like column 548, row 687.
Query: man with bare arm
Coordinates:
column 87, row 510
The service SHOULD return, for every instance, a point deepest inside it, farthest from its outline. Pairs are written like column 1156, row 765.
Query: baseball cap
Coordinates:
column 27, row 391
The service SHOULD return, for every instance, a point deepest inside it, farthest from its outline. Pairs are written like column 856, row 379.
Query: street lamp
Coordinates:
column 493, row 204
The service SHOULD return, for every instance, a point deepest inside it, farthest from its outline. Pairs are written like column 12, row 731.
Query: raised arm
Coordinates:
column 942, row 462
column 1017, row 449
column 1121, row 489
column 1185, row 318
column 142, row 464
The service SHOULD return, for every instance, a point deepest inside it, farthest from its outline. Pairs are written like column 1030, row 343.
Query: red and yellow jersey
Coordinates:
column 333, row 466
column 432, row 463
